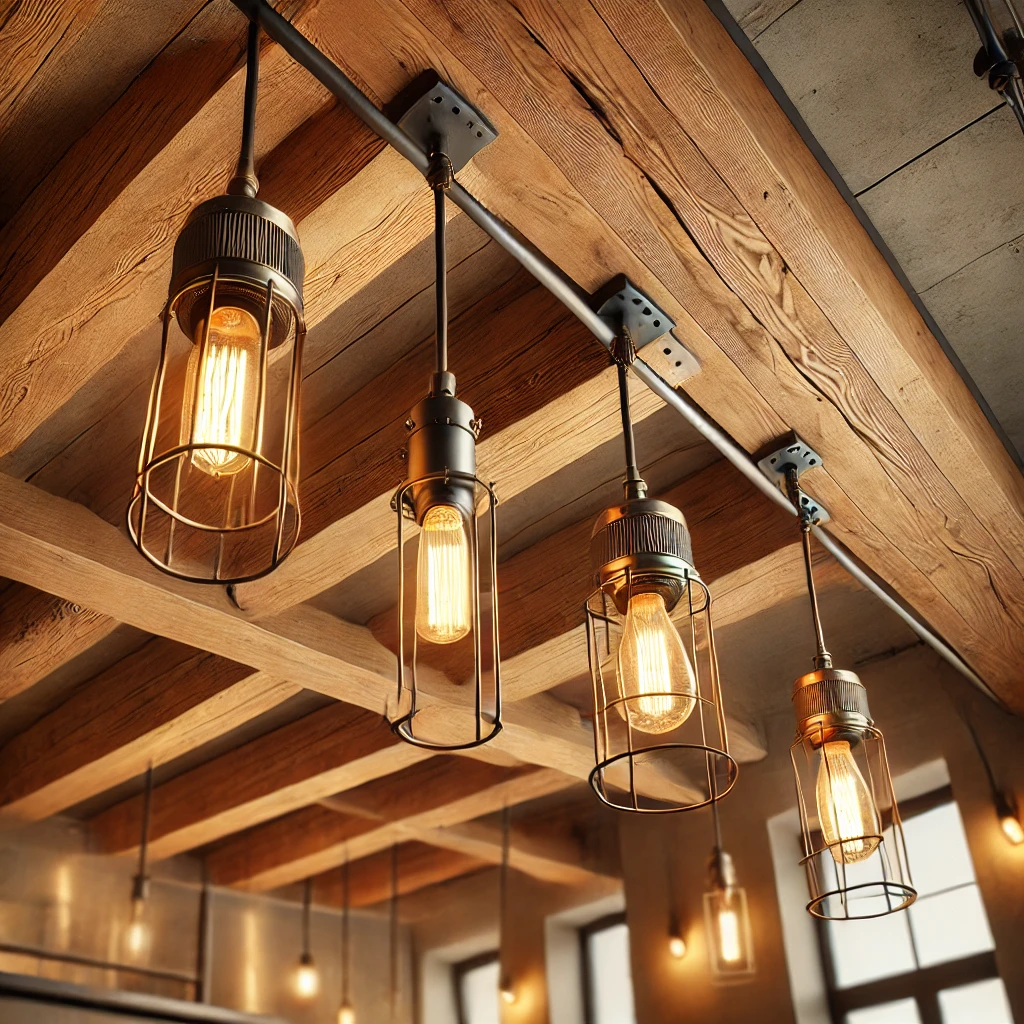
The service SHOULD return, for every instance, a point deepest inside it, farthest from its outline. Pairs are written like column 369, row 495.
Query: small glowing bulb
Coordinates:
column 307, row 978
column 222, row 380
column 508, row 994
column 653, row 668
column 443, row 586
column 137, row 935
column 1012, row 829
column 346, row 1015
column 848, row 817
column 728, row 934
column 677, row 947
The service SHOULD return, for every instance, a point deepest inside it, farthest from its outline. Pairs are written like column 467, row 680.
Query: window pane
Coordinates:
column 984, row 1002
column 950, row 926
column 480, row 994
column 903, row 1011
column 937, row 849
column 874, row 948
column 610, row 976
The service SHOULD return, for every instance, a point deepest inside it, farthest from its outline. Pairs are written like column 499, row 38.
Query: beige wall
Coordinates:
column 918, row 702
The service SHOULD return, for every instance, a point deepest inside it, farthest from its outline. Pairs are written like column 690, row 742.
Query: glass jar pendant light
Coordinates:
column 346, row 1012
column 855, row 856
column 215, row 497
column 452, row 603
column 726, row 917
column 660, row 738
column 139, row 933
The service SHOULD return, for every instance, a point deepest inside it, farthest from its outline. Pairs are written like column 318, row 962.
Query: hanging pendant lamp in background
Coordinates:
column 346, row 1013
column 1004, row 803
column 506, row 986
column 307, row 977
column 216, row 492
column 659, row 730
column 393, row 957
column 139, row 935
column 726, row 917
column 855, row 856
column 451, row 603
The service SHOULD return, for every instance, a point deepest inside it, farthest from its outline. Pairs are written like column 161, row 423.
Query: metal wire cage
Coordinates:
column 686, row 763
column 855, row 856
column 478, row 719
column 215, row 497
column 727, row 928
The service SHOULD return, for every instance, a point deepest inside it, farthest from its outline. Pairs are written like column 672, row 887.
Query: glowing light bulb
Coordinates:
column 443, row 585
column 677, row 947
column 137, row 936
column 346, row 1015
column 729, row 948
column 653, row 668
column 307, row 978
column 508, row 993
column 1012, row 829
column 226, row 371
column 846, row 811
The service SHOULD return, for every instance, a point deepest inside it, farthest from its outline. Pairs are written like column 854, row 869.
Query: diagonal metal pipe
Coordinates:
column 314, row 60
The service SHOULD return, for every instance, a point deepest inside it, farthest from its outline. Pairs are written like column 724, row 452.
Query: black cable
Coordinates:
column 441, row 279
column 245, row 181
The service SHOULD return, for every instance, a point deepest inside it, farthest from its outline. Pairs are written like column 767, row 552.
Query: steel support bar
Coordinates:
column 573, row 298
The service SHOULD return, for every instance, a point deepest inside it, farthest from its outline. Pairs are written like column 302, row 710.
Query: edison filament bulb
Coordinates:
column 221, row 385
column 846, row 811
column 443, row 578
column 729, row 947
column 654, row 672
column 346, row 1015
column 307, row 978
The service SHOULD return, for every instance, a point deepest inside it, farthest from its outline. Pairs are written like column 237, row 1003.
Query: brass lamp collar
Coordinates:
column 831, row 704
column 721, row 870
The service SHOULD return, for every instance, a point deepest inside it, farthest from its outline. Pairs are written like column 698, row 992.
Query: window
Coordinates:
column 607, row 979
column 934, row 963
column 476, row 989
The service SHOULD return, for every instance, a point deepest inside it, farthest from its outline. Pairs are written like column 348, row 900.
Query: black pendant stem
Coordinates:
column 394, row 929
column 623, row 355
column 140, row 885
column 506, row 849
column 822, row 658
column 307, row 907
column 346, row 909
column 245, row 182
column 440, row 177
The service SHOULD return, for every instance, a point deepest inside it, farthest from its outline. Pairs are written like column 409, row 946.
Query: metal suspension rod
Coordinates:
column 147, row 800
column 245, row 181
column 293, row 42
column 440, row 280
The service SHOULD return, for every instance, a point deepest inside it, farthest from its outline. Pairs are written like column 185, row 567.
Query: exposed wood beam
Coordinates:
column 39, row 633
column 940, row 521
column 435, row 794
column 53, row 543
column 148, row 708
column 332, row 750
column 419, row 866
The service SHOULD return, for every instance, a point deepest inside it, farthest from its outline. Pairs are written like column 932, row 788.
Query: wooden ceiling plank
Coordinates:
column 149, row 708
column 335, row 749
column 435, row 794
column 39, row 633
column 902, row 536
column 419, row 866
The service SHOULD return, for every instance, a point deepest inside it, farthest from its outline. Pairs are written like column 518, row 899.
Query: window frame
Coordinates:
column 922, row 984
column 461, row 969
column 601, row 924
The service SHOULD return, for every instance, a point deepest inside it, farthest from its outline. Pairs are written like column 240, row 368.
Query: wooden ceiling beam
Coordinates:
column 419, row 866
column 149, row 708
column 39, row 633
column 333, row 750
column 431, row 795
column 940, row 522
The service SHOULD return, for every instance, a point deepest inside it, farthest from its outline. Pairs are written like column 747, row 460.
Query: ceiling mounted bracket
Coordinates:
column 620, row 302
column 443, row 119
column 796, row 454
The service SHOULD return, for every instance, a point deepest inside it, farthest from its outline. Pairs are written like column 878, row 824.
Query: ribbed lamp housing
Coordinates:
column 831, row 700
column 250, row 244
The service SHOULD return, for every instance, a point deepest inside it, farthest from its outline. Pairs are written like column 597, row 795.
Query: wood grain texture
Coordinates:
column 633, row 190
column 39, row 633
column 419, row 866
column 435, row 794
column 148, row 708
column 329, row 751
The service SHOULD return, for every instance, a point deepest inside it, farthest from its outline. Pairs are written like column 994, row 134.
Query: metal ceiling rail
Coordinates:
column 314, row 60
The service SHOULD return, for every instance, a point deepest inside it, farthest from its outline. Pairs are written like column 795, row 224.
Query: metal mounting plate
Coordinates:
column 801, row 456
column 442, row 117
column 620, row 301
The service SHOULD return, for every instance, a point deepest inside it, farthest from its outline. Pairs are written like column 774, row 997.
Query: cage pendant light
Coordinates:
column 139, row 934
column 660, row 737
column 855, row 855
column 452, row 609
column 346, row 1012
column 726, row 917
column 216, row 489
